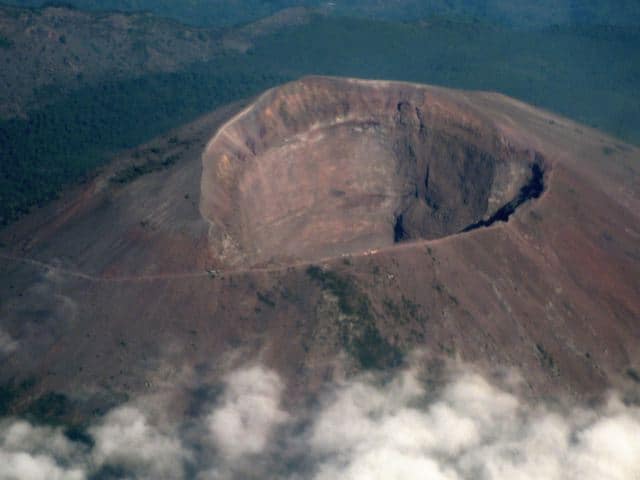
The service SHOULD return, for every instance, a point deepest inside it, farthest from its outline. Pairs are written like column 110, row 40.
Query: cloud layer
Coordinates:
column 472, row 430
column 250, row 411
column 126, row 439
column 367, row 428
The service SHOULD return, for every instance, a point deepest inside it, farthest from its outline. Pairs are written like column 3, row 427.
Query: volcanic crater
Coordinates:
column 323, row 167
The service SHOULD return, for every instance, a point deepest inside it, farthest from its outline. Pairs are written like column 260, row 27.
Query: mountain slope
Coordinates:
column 110, row 292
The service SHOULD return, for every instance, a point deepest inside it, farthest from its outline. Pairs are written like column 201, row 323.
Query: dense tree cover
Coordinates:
column 66, row 140
column 588, row 74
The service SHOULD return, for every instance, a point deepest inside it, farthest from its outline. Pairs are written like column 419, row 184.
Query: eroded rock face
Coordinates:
column 323, row 167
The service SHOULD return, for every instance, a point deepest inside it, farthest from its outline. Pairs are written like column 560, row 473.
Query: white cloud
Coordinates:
column 35, row 453
column 123, row 438
column 126, row 438
column 24, row 466
column 249, row 413
column 363, row 429
column 609, row 448
column 472, row 430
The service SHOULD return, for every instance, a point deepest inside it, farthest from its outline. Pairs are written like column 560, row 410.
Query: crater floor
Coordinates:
column 323, row 167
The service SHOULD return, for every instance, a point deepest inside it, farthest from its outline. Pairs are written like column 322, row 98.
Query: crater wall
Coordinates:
column 323, row 167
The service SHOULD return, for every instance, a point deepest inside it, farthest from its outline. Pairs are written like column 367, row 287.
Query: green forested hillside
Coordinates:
column 68, row 139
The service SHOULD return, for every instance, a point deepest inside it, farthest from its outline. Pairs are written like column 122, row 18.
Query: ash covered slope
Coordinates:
column 112, row 296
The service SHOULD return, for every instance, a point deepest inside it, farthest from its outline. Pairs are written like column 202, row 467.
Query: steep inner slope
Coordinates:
column 323, row 167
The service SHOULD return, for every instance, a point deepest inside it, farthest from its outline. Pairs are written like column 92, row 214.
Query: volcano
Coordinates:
column 333, row 225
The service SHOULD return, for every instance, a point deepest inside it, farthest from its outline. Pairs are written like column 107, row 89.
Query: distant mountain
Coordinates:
column 62, row 46
column 54, row 49
column 515, row 13
column 195, row 12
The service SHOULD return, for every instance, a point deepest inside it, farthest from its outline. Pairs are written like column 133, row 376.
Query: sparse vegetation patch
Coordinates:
column 633, row 374
column 546, row 360
column 359, row 334
column 266, row 299
column 133, row 172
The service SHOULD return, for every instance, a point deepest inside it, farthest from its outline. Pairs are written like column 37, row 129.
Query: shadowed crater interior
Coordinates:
column 322, row 167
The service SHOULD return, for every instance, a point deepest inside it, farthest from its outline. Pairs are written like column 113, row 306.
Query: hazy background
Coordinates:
column 516, row 13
